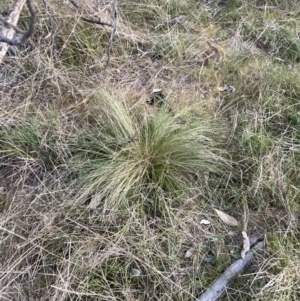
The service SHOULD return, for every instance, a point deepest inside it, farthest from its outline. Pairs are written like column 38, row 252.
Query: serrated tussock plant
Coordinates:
column 32, row 139
column 122, row 154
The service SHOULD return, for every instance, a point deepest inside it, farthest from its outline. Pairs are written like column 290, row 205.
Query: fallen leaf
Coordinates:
column 135, row 272
column 246, row 244
column 190, row 252
column 227, row 88
column 157, row 98
column 204, row 222
column 222, row 89
column 227, row 219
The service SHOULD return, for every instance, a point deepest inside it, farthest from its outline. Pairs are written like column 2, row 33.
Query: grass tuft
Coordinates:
column 163, row 152
column 103, row 193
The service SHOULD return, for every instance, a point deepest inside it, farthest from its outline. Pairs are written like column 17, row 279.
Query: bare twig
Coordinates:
column 51, row 25
column 113, row 33
column 92, row 21
column 7, row 35
column 265, row 7
column 115, row 23
column 25, row 34
column 174, row 21
column 10, row 25
column 238, row 267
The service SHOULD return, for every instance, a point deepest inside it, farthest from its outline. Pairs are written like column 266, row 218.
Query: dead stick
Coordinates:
column 6, row 38
column 16, row 28
column 113, row 33
column 238, row 267
column 115, row 23
column 9, row 32
column 92, row 21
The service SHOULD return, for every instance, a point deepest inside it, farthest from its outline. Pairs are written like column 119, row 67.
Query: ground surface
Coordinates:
column 111, row 166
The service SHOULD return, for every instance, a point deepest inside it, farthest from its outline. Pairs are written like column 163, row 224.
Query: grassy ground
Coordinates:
column 104, row 184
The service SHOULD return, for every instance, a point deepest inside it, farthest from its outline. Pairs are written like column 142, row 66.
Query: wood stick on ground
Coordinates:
column 115, row 24
column 92, row 21
column 6, row 37
column 112, row 35
column 9, row 32
column 238, row 267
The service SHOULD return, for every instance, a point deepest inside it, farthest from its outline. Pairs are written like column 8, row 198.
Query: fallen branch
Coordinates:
column 9, row 32
column 116, row 17
column 238, row 267
column 52, row 30
column 113, row 33
column 11, row 23
column 92, row 21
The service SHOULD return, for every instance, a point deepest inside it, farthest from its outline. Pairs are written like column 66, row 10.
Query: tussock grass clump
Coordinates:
column 33, row 148
column 36, row 138
column 153, row 173
column 122, row 154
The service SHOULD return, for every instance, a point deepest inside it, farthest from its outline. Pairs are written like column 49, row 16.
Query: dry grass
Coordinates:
column 102, row 194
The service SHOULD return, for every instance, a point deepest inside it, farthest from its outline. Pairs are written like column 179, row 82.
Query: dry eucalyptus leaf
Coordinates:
column 227, row 219
column 204, row 222
column 227, row 88
column 246, row 244
column 222, row 89
column 190, row 252
column 136, row 272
